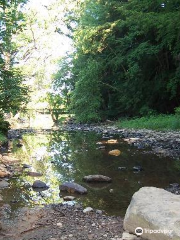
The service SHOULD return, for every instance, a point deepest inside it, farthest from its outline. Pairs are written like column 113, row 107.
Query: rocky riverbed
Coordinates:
column 163, row 143
column 59, row 222
column 56, row 222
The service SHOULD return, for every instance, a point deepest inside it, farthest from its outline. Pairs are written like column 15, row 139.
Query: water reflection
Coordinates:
column 63, row 156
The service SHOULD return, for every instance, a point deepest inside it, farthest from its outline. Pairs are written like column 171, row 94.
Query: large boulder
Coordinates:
column 97, row 178
column 72, row 187
column 157, row 212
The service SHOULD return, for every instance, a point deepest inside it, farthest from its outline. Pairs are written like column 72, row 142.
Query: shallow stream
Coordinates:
column 69, row 156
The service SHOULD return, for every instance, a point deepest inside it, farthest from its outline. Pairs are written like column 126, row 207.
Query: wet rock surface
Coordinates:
column 34, row 174
column 39, row 184
column 60, row 222
column 97, row 178
column 72, row 187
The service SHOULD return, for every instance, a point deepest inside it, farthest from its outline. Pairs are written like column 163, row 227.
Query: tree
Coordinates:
column 13, row 93
column 129, row 52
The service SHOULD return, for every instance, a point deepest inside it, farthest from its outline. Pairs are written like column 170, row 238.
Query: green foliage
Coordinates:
column 158, row 122
column 55, row 102
column 13, row 93
column 86, row 98
column 4, row 126
column 177, row 111
column 135, row 47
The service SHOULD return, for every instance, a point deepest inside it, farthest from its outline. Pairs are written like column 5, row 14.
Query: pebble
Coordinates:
column 87, row 210
column 59, row 224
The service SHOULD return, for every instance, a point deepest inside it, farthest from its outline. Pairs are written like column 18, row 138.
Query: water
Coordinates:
column 63, row 156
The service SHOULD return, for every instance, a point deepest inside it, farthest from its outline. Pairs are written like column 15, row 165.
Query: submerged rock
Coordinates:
column 34, row 174
column 137, row 168
column 122, row 168
column 26, row 166
column 115, row 152
column 39, row 184
column 112, row 141
column 154, row 209
column 72, row 188
column 97, row 178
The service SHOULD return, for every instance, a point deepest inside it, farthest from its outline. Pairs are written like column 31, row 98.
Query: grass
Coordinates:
column 2, row 138
column 159, row 122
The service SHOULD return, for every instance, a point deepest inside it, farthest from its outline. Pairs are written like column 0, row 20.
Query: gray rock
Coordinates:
column 154, row 209
column 4, row 184
column 69, row 198
column 97, row 178
column 39, row 184
column 122, row 168
column 34, row 174
column 99, row 212
column 26, row 166
column 72, row 188
column 87, row 210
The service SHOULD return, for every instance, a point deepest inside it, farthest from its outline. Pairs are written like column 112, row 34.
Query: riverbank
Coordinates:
column 157, row 122
column 162, row 143
column 59, row 222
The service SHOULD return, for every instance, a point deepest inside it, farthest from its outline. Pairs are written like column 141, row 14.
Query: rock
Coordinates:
column 154, row 209
column 59, row 224
column 99, row 212
column 69, row 198
column 4, row 184
column 131, row 140
column 115, row 152
column 122, row 168
column 1, row 199
column 72, row 188
column 87, row 210
column 97, row 178
column 112, row 141
column 4, row 172
column 34, row 174
column 128, row 236
column 174, row 188
column 174, row 185
column 101, row 147
column 137, row 168
column 19, row 145
column 26, row 166
column 39, row 184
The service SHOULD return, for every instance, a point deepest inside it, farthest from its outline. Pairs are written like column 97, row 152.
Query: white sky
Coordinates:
column 61, row 44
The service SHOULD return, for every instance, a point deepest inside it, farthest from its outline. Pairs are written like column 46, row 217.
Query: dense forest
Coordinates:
column 125, row 59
